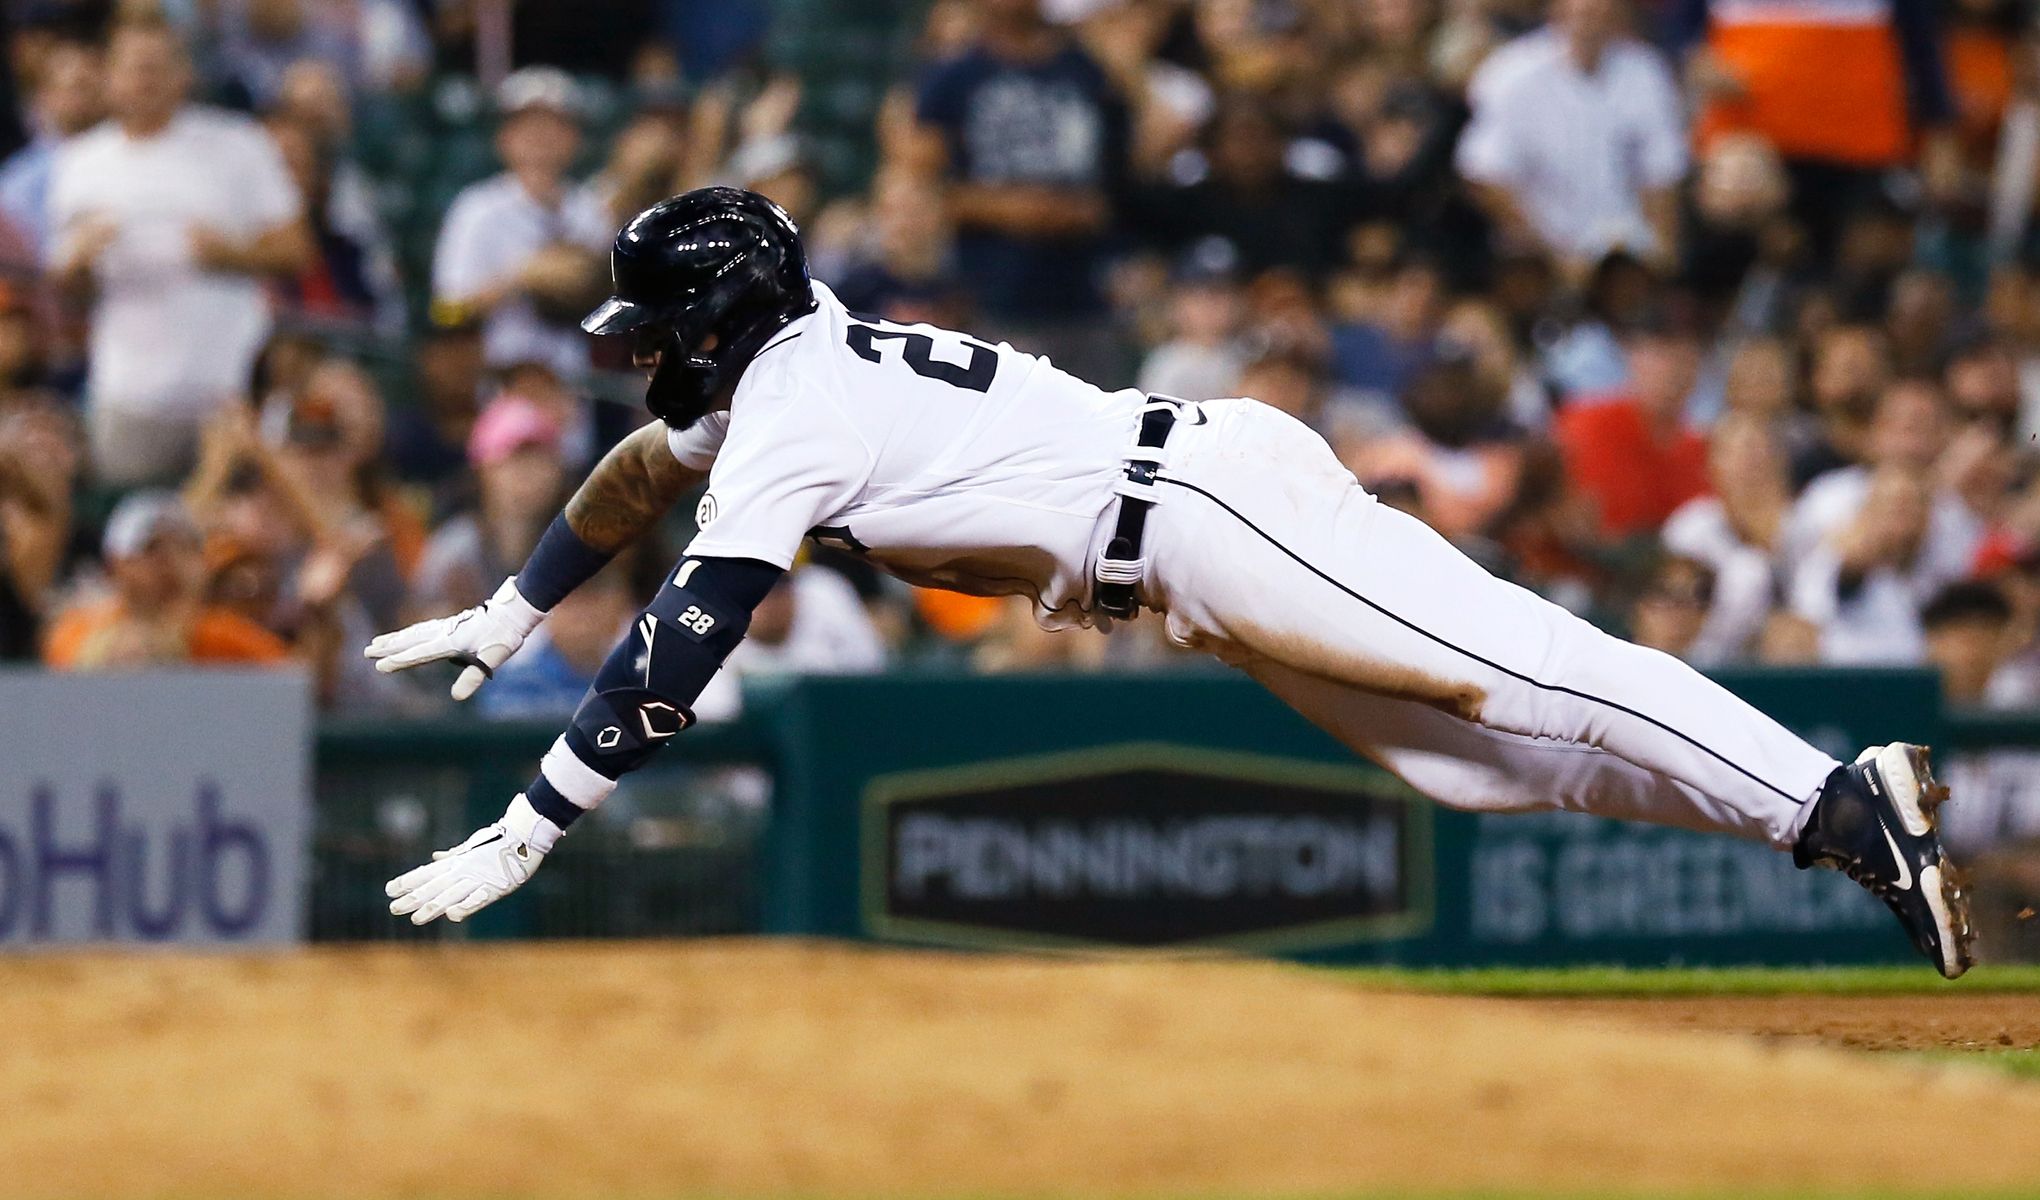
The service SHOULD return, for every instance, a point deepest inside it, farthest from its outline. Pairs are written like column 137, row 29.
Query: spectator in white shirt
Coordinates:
column 812, row 623
column 1205, row 353
column 1734, row 532
column 1908, row 430
column 1868, row 545
column 1865, row 585
column 523, row 250
column 173, row 215
column 1577, row 142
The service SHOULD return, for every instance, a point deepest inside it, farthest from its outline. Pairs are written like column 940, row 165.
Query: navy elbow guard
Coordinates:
column 642, row 695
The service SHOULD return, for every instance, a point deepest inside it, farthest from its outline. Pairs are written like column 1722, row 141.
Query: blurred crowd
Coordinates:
column 1717, row 322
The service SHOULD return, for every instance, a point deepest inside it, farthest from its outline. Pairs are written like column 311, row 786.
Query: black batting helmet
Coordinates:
column 716, row 260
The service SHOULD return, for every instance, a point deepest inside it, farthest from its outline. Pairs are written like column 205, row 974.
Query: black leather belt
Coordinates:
column 1121, row 566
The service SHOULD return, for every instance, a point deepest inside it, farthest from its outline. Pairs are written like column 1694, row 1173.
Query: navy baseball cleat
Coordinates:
column 1875, row 822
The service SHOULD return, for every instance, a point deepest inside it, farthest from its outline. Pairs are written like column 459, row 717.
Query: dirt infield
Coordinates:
column 739, row 1068
column 1957, row 1021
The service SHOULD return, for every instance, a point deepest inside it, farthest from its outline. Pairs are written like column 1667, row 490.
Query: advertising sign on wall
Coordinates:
column 156, row 807
column 1567, row 879
column 1190, row 810
column 1146, row 845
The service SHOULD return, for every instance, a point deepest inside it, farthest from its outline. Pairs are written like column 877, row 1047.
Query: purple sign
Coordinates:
column 160, row 807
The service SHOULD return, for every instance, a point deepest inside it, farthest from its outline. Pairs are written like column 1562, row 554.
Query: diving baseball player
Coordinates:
column 951, row 462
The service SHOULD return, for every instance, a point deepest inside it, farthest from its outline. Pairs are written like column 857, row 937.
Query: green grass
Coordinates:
column 1623, row 982
column 2023, row 1063
column 1699, row 981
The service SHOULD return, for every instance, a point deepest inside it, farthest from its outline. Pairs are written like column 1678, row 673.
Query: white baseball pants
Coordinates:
column 1265, row 551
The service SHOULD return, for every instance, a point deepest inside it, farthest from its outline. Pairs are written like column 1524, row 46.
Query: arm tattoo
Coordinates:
column 629, row 490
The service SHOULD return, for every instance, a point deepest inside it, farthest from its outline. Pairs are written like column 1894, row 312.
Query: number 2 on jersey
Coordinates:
column 917, row 350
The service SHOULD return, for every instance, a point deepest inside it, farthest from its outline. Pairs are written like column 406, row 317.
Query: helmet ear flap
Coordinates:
column 682, row 385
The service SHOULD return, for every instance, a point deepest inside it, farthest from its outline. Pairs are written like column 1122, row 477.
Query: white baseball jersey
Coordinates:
column 949, row 461
column 979, row 468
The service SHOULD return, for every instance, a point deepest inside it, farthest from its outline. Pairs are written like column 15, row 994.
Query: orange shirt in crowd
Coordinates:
column 955, row 616
column 81, row 639
column 406, row 534
column 1980, row 74
column 1821, row 79
column 1616, row 461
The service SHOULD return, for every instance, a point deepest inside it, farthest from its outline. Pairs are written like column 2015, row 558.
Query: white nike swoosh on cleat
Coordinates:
column 1905, row 876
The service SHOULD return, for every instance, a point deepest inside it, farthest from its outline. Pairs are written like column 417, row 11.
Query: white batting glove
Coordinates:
column 482, row 637
column 493, row 862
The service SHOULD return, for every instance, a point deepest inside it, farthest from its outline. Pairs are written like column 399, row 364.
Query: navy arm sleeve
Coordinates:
column 644, row 693
column 559, row 563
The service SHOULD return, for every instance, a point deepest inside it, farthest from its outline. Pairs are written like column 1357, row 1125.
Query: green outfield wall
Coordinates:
column 1170, row 812
column 1193, row 811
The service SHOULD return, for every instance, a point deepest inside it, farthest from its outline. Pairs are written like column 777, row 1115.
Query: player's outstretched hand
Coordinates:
column 480, row 638
column 494, row 861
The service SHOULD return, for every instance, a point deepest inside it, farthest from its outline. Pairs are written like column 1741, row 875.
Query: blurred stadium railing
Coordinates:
column 672, row 853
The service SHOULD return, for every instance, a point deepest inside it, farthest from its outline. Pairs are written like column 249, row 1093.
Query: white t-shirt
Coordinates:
column 168, row 337
column 948, row 461
column 491, row 230
column 1879, row 622
column 1745, row 583
column 1576, row 150
column 831, row 634
column 1833, row 499
column 1189, row 371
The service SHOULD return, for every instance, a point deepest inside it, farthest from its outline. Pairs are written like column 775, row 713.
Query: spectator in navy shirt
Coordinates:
column 1381, row 353
column 907, row 271
column 1030, row 137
